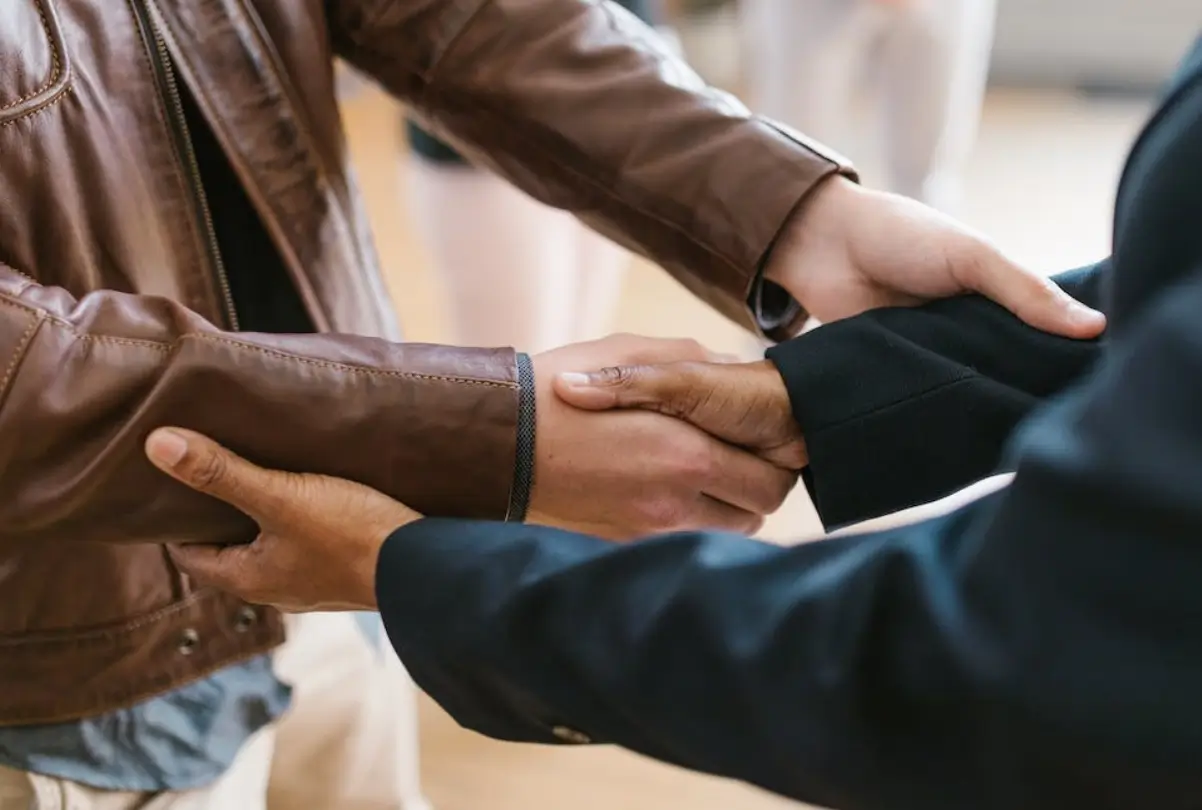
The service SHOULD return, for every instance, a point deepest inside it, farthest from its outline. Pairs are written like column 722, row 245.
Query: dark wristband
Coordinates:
column 523, row 470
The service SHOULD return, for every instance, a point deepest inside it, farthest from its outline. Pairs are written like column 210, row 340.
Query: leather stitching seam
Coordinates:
column 61, row 67
column 13, row 121
column 21, row 352
column 107, row 632
column 57, row 65
column 165, row 346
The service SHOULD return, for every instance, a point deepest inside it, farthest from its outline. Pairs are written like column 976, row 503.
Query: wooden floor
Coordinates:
column 1041, row 183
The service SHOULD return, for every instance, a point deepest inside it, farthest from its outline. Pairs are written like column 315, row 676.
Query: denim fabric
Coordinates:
column 183, row 740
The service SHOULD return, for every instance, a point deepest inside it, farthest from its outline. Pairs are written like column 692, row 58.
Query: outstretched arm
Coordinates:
column 83, row 380
column 750, row 216
column 889, row 409
column 1033, row 650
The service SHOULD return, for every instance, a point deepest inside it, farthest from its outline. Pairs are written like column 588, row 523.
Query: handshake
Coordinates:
column 639, row 436
column 634, row 436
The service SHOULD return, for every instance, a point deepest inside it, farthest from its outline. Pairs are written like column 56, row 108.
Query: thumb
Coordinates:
column 673, row 389
column 1033, row 298
column 208, row 467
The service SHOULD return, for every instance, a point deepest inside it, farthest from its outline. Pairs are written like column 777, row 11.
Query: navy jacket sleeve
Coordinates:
column 903, row 406
column 1039, row 649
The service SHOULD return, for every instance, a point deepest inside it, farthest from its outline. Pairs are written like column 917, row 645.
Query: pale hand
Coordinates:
column 849, row 249
column 319, row 536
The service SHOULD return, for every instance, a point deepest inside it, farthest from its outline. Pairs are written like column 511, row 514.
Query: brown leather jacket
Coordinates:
column 115, row 316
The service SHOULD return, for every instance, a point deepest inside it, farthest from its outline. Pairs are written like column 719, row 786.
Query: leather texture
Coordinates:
column 114, row 318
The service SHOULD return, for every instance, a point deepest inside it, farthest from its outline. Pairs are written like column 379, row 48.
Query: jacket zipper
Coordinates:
column 160, row 58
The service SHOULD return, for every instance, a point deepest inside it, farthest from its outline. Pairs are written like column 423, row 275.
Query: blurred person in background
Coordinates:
column 928, row 62
column 514, row 270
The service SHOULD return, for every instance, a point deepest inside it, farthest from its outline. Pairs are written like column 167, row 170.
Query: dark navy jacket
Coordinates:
column 1041, row 648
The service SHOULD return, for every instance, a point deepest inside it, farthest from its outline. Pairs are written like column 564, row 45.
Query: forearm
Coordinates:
column 554, row 95
column 826, row 672
column 84, row 381
column 904, row 406
column 1025, row 651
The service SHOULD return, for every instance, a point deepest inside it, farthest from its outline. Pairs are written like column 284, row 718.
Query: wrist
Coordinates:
column 816, row 220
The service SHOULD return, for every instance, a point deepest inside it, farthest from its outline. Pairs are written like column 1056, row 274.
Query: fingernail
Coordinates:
column 166, row 447
column 575, row 379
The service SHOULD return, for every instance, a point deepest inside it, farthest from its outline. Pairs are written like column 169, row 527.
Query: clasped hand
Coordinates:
column 664, row 438
column 641, row 462
column 675, row 440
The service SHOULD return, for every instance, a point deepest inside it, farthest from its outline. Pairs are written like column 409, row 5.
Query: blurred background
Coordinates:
column 1032, row 161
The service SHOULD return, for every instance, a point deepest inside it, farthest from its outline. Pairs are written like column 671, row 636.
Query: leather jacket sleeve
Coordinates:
column 580, row 105
column 82, row 382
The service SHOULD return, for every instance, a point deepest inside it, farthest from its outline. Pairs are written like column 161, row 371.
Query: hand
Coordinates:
column 319, row 536
column 849, row 249
column 745, row 404
column 622, row 475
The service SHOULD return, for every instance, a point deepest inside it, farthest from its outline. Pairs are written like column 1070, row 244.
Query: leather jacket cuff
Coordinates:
column 777, row 314
column 523, row 469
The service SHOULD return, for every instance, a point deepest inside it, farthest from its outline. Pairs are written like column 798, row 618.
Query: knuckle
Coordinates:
column 768, row 488
column 963, row 267
column 280, row 493
column 691, row 349
column 248, row 572
column 692, row 461
column 616, row 376
column 298, row 485
column 1046, row 289
column 784, row 483
column 695, row 388
column 624, row 342
column 210, row 470
column 661, row 514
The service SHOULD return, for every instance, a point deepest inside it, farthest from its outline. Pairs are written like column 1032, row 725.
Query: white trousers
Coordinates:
column 348, row 743
column 927, row 59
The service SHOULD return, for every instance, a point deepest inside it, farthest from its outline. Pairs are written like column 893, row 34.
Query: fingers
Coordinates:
column 223, row 567
column 745, row 481
column 715, row 514
column 1034, row 299
column 208, row 467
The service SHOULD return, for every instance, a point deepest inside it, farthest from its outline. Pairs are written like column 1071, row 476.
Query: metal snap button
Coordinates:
column 246, row 618
column 571, row 735
column 188, row 641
